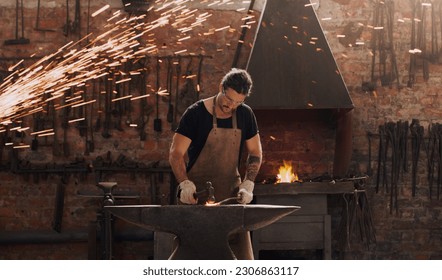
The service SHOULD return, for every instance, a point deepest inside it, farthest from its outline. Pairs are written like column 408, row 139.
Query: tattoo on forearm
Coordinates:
column 253, row 165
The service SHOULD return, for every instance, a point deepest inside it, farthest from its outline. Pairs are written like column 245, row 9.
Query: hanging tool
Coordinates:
column 65, row 122
column 383, row 44
column 145, row 110
column 392, row 136
column 68, row 24
column 55, row 144
column 127, row 102
column 419, row 42
column 88, row 27
column 59, row 203
column 412, row 65
column 169, row 89
column 88, row 146
column 100, row 110
column 177, row 90
column 18, row 40
column 91, row 143
column 143, row 107
column 369, row 168
column 72, row 27
column 76, row 24
column 403, row 145
column 37, row 22
column 188, row 94
column 200, row 67
column 395, row 138
column 390, row 23
column 374, row 45
column 381, row 155
column 357, row 221
column 417, row 134
column 439, row 159
column 430, row 150
column 434, row 57
column 81, row 114
column 422, row 44
column 109, row 85
column 157, row 122
column 37, row 127
column 117, row 111
column 3, row 137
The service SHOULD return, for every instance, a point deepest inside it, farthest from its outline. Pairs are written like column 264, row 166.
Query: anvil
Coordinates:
column 202, row 231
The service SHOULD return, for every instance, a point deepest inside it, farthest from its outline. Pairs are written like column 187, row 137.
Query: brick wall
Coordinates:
column 27, row 201
column 30, row 178
column 412, row 232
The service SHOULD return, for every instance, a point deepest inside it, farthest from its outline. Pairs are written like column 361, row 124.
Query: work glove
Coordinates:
column 186, row 192
column 245, row 192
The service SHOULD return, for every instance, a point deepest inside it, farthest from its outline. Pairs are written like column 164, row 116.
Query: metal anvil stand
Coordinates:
column 202, row 231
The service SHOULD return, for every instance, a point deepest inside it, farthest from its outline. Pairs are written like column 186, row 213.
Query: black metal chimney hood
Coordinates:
column 291, row 62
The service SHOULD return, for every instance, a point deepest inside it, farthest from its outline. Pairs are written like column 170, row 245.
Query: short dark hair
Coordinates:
column 238, row 80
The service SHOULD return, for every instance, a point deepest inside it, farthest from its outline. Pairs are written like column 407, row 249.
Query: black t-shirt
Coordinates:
column 196, row 124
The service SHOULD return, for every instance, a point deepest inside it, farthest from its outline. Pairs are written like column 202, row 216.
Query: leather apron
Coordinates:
column 218, row 164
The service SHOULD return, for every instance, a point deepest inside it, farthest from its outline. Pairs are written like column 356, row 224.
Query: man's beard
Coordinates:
column 226, row 109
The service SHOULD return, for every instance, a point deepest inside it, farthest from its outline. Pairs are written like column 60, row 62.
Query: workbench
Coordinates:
column 306, row 229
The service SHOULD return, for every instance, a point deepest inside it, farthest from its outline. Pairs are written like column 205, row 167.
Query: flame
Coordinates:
column 286, row 174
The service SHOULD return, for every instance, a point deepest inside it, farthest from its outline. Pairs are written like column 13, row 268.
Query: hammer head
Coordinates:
column 211, row 193
column 208, row 194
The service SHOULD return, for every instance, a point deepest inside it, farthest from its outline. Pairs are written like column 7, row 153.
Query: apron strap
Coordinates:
column 215, row 125
column 234, row 124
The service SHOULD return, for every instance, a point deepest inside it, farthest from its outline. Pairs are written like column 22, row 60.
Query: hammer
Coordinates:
column 208, row 193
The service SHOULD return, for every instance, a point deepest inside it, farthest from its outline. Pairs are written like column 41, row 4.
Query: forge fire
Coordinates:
column 286, row 174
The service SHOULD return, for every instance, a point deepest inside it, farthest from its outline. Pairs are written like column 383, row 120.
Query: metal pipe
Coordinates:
column 343, row 144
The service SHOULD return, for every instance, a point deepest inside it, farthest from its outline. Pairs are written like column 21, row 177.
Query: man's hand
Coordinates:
column 245, row 193
column 186, row 192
